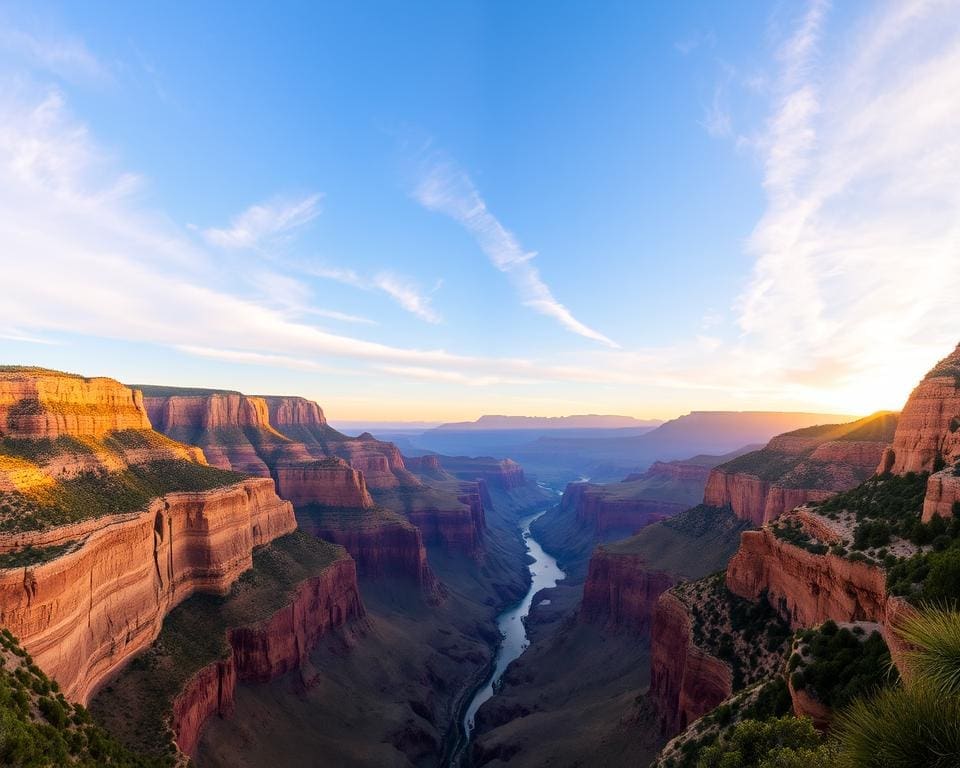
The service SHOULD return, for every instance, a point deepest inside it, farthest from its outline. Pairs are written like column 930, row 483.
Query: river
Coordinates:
column 545, row 573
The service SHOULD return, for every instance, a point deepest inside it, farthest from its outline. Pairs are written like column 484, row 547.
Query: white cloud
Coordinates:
column 262, row 223
column 858, row 251
column 402, row 290
column 446, row 189
column 716, row 119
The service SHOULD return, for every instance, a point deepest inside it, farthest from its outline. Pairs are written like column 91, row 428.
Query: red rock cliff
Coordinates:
column 929, row 423
column 685, row 682
column 330, row 482
column 83, row 614
column 806, row 589
column 267, row 650
column 620, row 592
column 35, row 403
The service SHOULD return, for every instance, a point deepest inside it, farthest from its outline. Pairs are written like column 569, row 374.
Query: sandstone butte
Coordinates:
column 86, row 611
column 807, row 589
column 808, row 464
column 269, row 436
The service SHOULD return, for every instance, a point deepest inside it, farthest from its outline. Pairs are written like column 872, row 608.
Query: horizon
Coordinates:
column 431, row 214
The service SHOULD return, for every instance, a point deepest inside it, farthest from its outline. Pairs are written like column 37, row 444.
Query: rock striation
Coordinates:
column 621, row 591
column 328, row 482
column 82, row 615
column 804, row 588
column 605, row 513
column 806, row 465
column 36, row 403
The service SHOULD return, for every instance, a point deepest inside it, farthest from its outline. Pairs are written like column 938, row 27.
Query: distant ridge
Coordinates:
column 585, row 421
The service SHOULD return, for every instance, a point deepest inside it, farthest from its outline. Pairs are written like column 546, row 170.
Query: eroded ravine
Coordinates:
column 544, row 574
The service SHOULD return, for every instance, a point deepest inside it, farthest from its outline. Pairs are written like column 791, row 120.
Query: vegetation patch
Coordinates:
column 98, row 494
column 351, row 518
column 837, row 665
column 750, row 637
column 40, row 728
column 28, row 556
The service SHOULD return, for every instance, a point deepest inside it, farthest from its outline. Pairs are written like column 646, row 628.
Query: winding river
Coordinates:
column 545, row 573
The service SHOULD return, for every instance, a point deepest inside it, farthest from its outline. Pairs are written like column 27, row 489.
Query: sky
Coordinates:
column 432, row 211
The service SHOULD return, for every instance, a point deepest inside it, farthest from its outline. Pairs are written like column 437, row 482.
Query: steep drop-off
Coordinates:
column 106, row 525
column 297, row 590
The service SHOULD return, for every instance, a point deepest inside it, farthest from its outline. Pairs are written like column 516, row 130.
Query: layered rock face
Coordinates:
column 329, row 482
column 685, row 682
column 929, row 428
column 807, row 465
column 35, row 403
column 603, row 513
column 83, row 614
column 264, row 651
column 804, row 588
column 233, row 430
column 381, row 543
column 451, row 528
column 620, row 592
column 254, row 434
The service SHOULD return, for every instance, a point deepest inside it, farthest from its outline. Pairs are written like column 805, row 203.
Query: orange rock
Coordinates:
column 36, row 403
column 943, row 491
column 804, row 588
column 85, row 613
column 330, row 482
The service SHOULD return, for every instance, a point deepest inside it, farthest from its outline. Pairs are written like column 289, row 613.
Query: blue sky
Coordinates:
column 438, row 210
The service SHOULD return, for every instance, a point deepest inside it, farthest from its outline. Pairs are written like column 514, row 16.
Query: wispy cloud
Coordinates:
column 66, row 57
column 265, row 222
column 402, row 290
column 858, row 251
column 695, row 40
column 446, row 189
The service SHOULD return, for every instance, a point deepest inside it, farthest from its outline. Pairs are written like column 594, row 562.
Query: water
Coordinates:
column 545, row 574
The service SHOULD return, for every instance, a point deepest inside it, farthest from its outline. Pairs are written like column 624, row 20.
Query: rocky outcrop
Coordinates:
column 685, row 681
column 382, row 544
column 264, row 651
column 620, row 592
column 288, row 412
column 675, row 471
column 604, row 513
column 804, row 588
column 329, row 482
column 929, row 429
column 84, row 613
column 805, row 705
column 36, row 403
column 943, row 492
column 798, row 467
